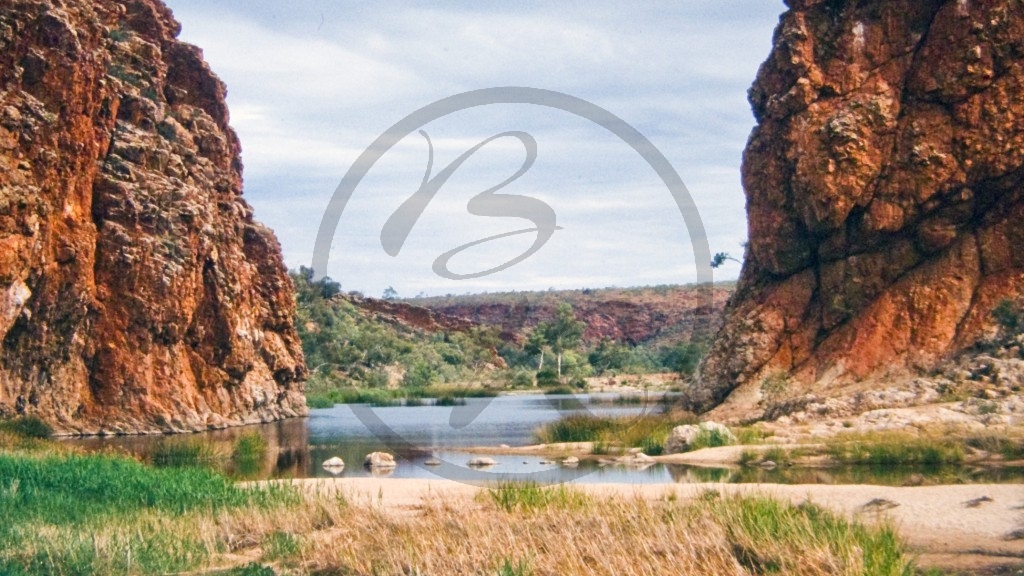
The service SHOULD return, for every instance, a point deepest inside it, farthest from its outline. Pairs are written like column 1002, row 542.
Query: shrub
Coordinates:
column 420, row 375
column 521, row 379
column 27, row 427
column 319, row 400
column 548, row 377
column 449, row 400
column 775, row 387
column 709, row 439
column 1009, row 316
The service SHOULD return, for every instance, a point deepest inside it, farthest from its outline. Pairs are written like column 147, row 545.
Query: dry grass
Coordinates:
column 736, row 535
column 195, row 522
column 326, row 534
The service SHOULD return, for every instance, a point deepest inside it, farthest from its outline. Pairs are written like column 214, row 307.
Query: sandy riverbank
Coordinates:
column 965, row 527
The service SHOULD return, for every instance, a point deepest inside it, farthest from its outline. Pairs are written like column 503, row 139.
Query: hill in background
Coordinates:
column 376, row 350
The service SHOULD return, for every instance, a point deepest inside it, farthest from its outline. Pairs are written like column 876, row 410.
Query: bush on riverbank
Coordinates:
column 648, row 431
column 442, row 396
column 29, row 427
column 893, row 448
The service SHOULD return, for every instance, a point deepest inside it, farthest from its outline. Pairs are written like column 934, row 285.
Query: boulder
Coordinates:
column 379, row 460
column 481, row 462
column 334, row 463
column 571, row 461
column 683, row 437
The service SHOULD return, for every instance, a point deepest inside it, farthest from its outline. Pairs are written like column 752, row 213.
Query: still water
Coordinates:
column 297, row 448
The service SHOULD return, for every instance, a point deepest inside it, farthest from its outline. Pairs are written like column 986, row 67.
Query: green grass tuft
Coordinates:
column 280, row 545
column 530, row 496
column 251, row 447
column 760, row 530
column 182, row 453
column 648, row 432
column 893, row 449
column 520, row 567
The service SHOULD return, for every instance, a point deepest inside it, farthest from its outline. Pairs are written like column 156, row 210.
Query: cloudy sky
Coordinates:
column 313, row 82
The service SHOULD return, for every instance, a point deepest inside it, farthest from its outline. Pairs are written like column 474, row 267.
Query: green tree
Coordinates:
column 563, row 333
column 390, row 293
column 536, row 345
column 684, row 356
column 609, row 356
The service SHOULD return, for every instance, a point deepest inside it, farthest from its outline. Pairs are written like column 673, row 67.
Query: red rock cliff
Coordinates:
column 136, row 292
column 884, row 188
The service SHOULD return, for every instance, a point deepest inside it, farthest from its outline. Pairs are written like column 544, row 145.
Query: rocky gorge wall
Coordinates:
column 137, row 293
column 885, row 196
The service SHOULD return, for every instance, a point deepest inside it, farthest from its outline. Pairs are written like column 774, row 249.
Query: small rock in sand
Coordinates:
column 768, row 465
column 977, row 502
column 879, row 504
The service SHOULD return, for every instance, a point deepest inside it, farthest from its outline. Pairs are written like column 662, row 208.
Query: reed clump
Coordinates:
column 648, row 431
column 895, row 449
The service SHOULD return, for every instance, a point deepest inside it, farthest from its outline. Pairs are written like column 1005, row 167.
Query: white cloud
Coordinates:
column 312, row 83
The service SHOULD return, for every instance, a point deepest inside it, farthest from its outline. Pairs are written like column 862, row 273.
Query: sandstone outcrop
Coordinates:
column 137, row 293
column 885, row 196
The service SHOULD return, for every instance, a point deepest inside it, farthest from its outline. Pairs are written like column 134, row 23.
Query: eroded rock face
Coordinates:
column 884, row 190
column 136, row 292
